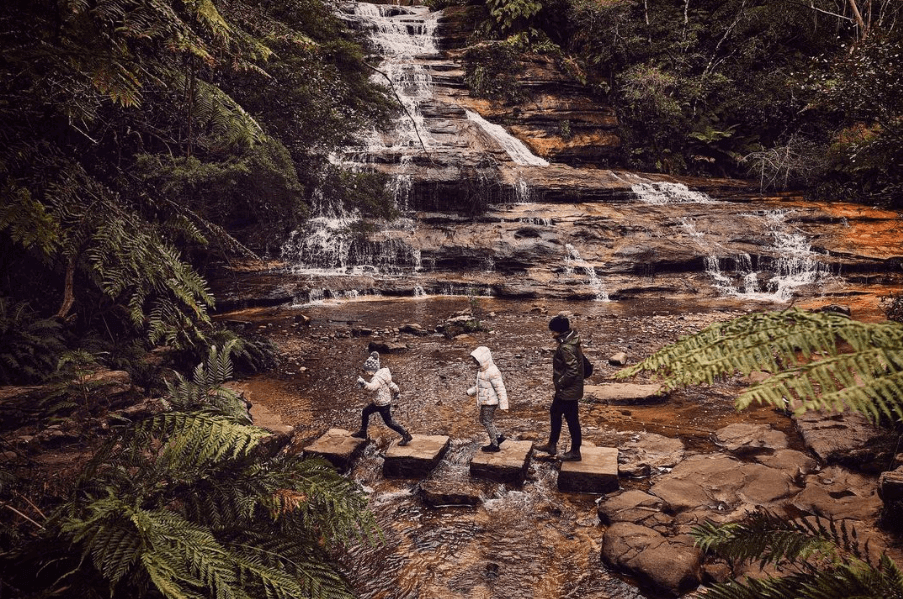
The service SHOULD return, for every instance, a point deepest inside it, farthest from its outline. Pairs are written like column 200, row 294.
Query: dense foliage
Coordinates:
column 188, row 502
column 140, row 137
column 801, row 94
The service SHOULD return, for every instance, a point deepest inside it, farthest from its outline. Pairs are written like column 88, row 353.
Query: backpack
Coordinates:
column 587, row 368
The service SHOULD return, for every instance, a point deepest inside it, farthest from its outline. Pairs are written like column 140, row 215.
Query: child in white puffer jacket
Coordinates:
column 490, row 393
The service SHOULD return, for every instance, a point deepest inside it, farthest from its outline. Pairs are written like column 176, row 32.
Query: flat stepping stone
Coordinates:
column 417, row 458
column 625, row 394
column 338, row 447
column 506, row 466
column 596, row 472
column 443, row 493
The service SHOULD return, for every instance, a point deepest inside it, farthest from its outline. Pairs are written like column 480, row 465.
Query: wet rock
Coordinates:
column 387, row 347
column 597, row 472
column 836, row 309
column 625, row 393
column 417, row 458
column 671, row 566
column 721, row 483
column 509, row 465
column 436, row 493
column 847, row 438
column 795, row 463
column 745, row 439
column 648, row 453
column 630, row 506
column 618, row 359
column 338, row 447
column 839, row 493
column 890, row 485
column 413, row 329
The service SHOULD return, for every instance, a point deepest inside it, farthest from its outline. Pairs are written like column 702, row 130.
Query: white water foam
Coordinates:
column 662, row 192
column 515, row 148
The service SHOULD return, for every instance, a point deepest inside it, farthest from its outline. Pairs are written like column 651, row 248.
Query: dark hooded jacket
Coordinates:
column 567, row 367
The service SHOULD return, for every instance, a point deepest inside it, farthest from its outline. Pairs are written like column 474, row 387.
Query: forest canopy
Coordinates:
column 803, row 95
column 141, row 137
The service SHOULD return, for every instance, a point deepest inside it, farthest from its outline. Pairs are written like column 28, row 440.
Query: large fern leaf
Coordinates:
column 820, row 360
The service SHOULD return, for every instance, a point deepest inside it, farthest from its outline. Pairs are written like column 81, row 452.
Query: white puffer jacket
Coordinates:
column 490, row 389
column 383, row 385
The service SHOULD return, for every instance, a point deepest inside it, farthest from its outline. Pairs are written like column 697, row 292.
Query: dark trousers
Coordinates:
column 386, row 413
column 567, row 409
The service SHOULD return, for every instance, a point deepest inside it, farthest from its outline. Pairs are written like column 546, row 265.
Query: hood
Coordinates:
column 483, row 356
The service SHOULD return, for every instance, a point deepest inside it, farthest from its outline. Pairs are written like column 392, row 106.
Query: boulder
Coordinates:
column 618, row 359
column 846, row 438
column 890, row 485
column 839, row 493
column 746, row 438
column 632, row 505
column 671, row 566
column 649, row 453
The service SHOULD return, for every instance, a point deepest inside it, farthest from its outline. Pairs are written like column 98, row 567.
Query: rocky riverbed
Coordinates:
column 683, row 458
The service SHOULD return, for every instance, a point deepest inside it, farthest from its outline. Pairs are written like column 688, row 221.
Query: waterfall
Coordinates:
column 594, row 282
column 515, row 148
column 794, row 266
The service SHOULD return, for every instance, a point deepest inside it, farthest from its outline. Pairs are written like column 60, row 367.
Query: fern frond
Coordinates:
column 195, row 440
column 767, row 537
column 813, row 368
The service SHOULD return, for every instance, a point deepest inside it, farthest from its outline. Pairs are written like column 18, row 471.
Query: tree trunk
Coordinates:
column 68, row 291
column 859, row 21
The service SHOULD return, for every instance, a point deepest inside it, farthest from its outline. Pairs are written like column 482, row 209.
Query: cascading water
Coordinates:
column 573, row 256
column 793, row 266
column 515, row 148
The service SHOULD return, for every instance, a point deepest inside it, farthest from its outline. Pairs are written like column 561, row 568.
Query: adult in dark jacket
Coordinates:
column 567, row 375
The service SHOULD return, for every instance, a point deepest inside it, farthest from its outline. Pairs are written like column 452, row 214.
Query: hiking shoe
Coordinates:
column 490, row 448
column 361, row 434
column 549, row 448
column 406, row 439
column 501, row 439
column 571, row 456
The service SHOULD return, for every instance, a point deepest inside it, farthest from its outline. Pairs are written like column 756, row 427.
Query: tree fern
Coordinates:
column 820, row 360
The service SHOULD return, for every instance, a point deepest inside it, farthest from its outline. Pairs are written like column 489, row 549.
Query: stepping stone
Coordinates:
column 597, row 472
column 625, row 394
column 417, row 458
column 338, row 447
column 506, row 466
column 443, row 493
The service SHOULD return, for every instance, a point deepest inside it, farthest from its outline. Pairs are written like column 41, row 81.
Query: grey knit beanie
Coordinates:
column 372, row 363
